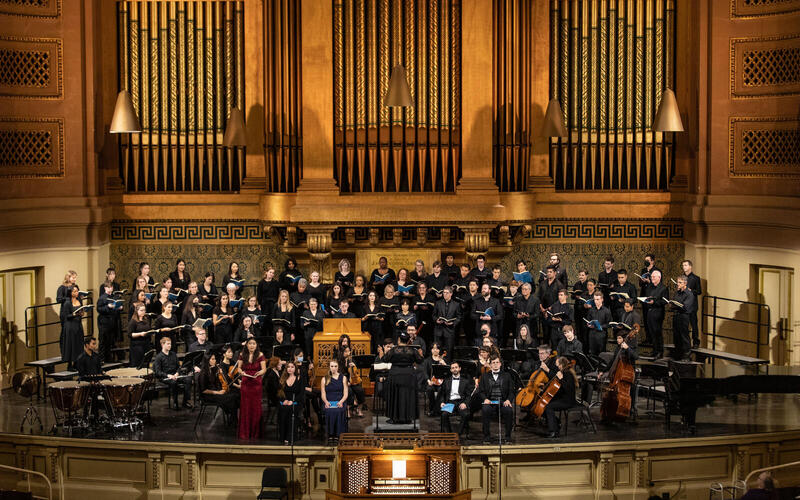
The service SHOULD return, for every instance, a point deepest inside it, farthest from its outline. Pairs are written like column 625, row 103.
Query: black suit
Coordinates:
column 680, row 321
column 504, row 387
column 465, row 388
column 654, row 319
column 693, row 284
column 446, row 333
column 481, row 304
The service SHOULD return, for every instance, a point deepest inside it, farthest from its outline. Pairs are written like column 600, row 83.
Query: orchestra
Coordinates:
column 418, row 322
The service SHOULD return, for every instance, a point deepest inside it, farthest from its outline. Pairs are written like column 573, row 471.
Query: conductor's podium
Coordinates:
column 326, row 341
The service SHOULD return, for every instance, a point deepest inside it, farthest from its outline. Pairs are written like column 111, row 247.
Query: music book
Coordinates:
column 373, row 315
column 382, row 366
column 333, row 310
column 494, row 402
column 435, row 291
column 673, row 280
column 206, row 308
column 118, row 304
column 293, row 279
column 405, row 289
column 258, row 317
column 152, row 315
column 673, row 302
column 448, row 408
column 302, row 302
column 499, row 288
column 594, row 324
column 356, row 296
column 238, row 283
column 644, row 276
column 459, row 287
column 585, row 301
column 644, row 299
column 379, row 277
column 308, row 321
column 446, row 320
column 488, row 312
column 619, row 324
column 281, row 320
column 508, row 299
column 389, row 306
column 523, row 277
column 424, row 304
column 173, row 297
column 237, row 303
column 88, row 307
column 119, row 292
column 149, row 296
column 543, row 273
column 620, row 295
column 555, row 315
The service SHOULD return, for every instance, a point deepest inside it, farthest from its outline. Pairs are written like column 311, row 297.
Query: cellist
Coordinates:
column 564, row 398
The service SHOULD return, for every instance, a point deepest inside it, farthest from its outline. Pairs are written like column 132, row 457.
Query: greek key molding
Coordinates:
column 633, row 229
column 752, row 9
column 169, row 231
column 765, row 66
column 764, row 147
column 31, row 8
column 31, row 148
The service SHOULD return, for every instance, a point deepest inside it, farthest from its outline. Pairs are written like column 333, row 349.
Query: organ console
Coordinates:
column 407, row 465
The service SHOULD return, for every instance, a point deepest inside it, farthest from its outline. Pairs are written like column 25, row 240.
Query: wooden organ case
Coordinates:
column 393, row 465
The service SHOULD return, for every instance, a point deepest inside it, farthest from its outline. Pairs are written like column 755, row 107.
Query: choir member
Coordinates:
column 403, row 318
column 157, row 305
column 139, row 334
column 344, row 276
column 617, row 300
column 180, row 277
column 497, row 284
column 344, row 311
column 487, row 310
column 390, row 305
column 165, row 369
column 644, row 284
column 404, row 288
column 548, row 292
column 522, row 268
column 281, row 337
column 267, row 292
column 108, row 320
column 223, row 318
column 654, row 318
column 401, row 401
column 166, row 323
column 683, row 306
column 496, row 392
column 258, row 318
column 526, row 310
column 233, row 276
column 299, row 298
column 334, row 393
column 446, row 317
column 423, row 305
column 607, row 279
column 598, row 318
column 560, row 271
column 290, row 399
column 334, row 299
column 564, row 398
column 556, row 316
column 450, row 268
column 272, row 381
column 372, row 320
column 381, row 276
column 144, row 271
column 208, row 290
column 357, row 295
column 253, row 365
column 283, row 314
column 509, row 318
column 315, row 287
column 569, row 344
column 480, row 273
column 419, row 274
column 245, row 331
column 468, row 300
column 437, row 280
column 311, row 320
column 290, row 276
column 694, row 285
column 457, row 391
column 111, row 277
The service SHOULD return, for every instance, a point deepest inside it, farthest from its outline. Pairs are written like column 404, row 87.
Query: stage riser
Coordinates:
column 130, row 470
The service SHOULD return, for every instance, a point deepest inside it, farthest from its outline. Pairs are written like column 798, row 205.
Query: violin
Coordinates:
column 527, row 396
column 355, row 375
column 437, row 381
column 616, row 405
column 222, row 381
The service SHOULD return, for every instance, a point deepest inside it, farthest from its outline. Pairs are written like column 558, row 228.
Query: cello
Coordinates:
column 549, row 392
column 616, row 404
column 527, row 395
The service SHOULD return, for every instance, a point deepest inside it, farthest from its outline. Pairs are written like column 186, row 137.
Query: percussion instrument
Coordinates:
column 124, row 395
column 130, row 372
column 25, row 383
column 68, row 398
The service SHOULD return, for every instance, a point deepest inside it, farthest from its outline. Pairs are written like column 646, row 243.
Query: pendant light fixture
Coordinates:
column 554, row 120
column 124, row 119
column 234, row 130
column 668, row 116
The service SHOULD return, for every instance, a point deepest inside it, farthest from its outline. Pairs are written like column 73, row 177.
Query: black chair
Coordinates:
column 276, row 480
column 585, row 418
column 203, row 406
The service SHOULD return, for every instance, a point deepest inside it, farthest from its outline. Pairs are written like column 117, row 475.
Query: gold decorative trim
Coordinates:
column 738, row 48
column 741, row 11
column 53, row 126
column 743, row 124
column 55, row 89
column 52, row 9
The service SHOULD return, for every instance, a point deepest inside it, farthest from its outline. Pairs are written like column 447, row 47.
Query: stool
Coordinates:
column 585, row 417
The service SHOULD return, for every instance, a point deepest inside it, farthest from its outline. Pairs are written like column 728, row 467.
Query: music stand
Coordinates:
column 465, row 352
column 533, row 352
column 265, row 343
column 192, row 359
column 441, row 372
column 284, row 352
column 513, row 355
column 515, row 377
column 468, row 367
column 581, row 360
column 363, row 361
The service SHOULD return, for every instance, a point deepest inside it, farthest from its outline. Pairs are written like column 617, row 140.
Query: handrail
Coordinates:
column 33, row 326
column 762, row 323
column 765, row 469
column 27, row 474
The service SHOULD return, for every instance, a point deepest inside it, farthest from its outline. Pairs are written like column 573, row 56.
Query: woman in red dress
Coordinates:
column 253, row 366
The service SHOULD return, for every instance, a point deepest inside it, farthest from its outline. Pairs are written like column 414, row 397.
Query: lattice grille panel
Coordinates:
column 26, row 148
column 440, row 477
column 610, row 61
column 357, row 476
column 771, row 147
column 771, row 67
column 26, row 3
column 759, row 3
column 26, row 68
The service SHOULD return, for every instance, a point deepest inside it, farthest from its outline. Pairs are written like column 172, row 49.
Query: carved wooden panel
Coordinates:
column 31, row 147
column 765, row 66
column 758, row 8
column 34, row 8
column 30, row 67
column 765, row 147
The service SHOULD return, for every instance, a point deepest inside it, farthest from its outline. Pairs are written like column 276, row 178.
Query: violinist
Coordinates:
column 226, row 366
column 428, row 382
column 496, row 392
column 357, row 394
column 457, row 391
column 214, row 388
column 564, row 398
column 483, row 362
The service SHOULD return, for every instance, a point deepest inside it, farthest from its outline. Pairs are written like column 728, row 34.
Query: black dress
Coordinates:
column 72, row 347
column 223, row 331
column 401, row 398
column 163, row 322
column 373, row 326
column 310, row 328
column 229, row 401
column 317, row 292
column 138, row 345
column 267, row 294
column 227, row 279
column 294, row 394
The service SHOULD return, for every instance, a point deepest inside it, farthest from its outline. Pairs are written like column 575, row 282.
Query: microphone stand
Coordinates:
column 499, row 449
column 291, row 452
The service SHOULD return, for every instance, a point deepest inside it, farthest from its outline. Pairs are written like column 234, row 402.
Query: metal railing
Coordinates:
column 35, row 331
column 27, row 474
column 741, row 321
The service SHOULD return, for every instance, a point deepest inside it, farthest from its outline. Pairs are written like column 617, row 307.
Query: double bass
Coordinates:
column 616, row 404
column 526, row 397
